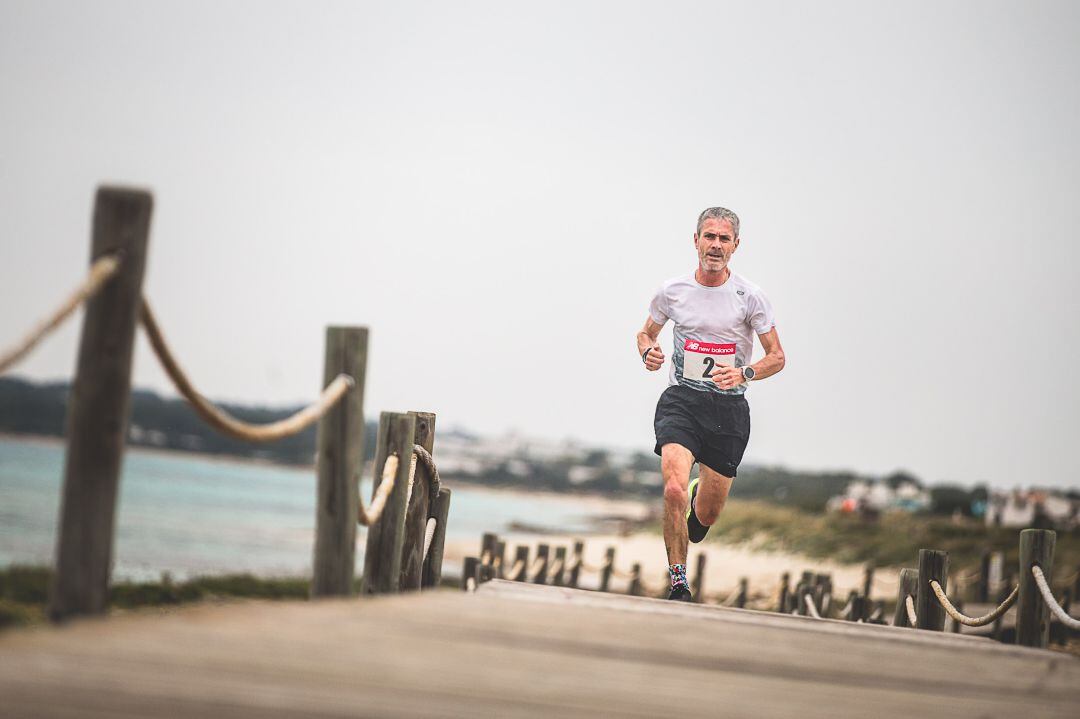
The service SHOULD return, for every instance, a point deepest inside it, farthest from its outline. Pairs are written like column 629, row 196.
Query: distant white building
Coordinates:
column 1021, row 508
column 878, row 495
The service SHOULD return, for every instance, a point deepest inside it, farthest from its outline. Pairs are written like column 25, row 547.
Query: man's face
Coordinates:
column 715, row 244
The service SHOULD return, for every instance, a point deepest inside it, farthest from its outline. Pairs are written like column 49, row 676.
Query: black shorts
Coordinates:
column 714, row 427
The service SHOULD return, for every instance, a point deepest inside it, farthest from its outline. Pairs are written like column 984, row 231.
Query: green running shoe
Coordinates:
column 695, row 530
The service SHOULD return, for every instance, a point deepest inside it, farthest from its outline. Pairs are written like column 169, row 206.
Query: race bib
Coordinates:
column 701, row 358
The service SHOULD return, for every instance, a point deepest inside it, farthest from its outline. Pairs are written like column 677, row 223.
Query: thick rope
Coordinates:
column 621, row 575
column 429, row 534
column 909, row 604
column 810, row 606
column 1048, row 597
column 516, row 568
column 100, row 272
column 982, row 621
column 485, row 559
column 537, row 565
column 731, row 599
column 223, row 421
column 470, row 584
column 419, row 453
column 556, row 568
column 371, row 515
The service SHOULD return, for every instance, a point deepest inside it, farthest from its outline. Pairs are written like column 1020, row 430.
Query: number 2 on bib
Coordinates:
column 701, row 358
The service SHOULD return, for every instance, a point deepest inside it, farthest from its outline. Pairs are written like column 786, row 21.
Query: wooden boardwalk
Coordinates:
column 514, row 650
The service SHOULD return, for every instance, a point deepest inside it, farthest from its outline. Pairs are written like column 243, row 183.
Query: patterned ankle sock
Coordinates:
column 678, row 574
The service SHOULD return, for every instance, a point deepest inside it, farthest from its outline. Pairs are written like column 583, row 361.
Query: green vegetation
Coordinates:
column 24, row 592
column 893, row 540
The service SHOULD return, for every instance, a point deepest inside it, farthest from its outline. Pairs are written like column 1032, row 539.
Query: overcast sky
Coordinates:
column 497, row 189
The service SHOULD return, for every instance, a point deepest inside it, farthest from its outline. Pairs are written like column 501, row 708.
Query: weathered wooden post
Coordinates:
column 419, row 506
column 860, row 607
column 607, row 569
column 575, row 568
column 997, row 629
column 909, row 587
column 99, row 407
column 440, row 511
column 635, row 580
column 339, row 459
column 801, row 591
column 1076, row 583
column 982, row 589
column 542, row 552
column 933, row 566
column 560, row 564
column 470, row 574
column 521, row 560
column 699, row 579
column 782, row 600
column 487, row 555
column 868, row 580
column 740, row 600
column 1059, row 633
column 500, row 559
column 1032, row 614
column 382, row 558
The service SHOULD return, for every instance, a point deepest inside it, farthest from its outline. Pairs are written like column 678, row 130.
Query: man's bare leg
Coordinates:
column 675, row 463
column 712, row 495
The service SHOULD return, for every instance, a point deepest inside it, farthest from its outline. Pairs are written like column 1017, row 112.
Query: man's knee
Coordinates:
column 675, row 492
column 707, row 515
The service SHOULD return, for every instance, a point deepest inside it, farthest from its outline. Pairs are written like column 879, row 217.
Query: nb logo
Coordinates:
column 693, row 345
column 739, row 292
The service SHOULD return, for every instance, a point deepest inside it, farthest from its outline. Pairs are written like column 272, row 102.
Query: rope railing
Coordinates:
column 982, row 621
column 429, row 534
column 222, row 420
column 100, row 272
column 809, row 599
column 909, row 605
column 1048, row 597
column 535, row 567
column 516, row 568
column 556, row 568
column 371, row 515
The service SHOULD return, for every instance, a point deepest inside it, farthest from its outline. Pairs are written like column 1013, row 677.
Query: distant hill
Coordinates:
column 40, row 409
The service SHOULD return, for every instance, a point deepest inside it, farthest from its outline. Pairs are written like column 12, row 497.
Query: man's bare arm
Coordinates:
column 647, row 340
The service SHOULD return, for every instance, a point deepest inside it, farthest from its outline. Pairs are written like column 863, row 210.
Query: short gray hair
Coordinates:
column 719, row 213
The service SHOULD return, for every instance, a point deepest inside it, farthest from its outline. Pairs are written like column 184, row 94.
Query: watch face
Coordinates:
column 748, row 372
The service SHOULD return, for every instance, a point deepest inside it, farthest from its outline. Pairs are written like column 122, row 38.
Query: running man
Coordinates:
column 702, row 416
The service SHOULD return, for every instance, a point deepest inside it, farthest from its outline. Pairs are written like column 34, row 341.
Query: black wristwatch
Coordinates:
column 748, row 373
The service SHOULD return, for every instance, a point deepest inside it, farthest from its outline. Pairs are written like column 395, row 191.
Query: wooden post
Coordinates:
column 382, row 559
column 470, row 572
column 440, row 511
column 575, row 568
column 909, row 586
column 699, row 579
column 740, row 601
column 560, row 560
column 521, row 554
column 782, row 600
column 860, row 607
column 542, row 552
column 1076, row 583
column 801, row 590
column 954, row 626
column 634, row 589
column 487, row 555
column 99, row 408
column 933, row 566
column 868, row 580
column 419, row 508
column 339, row 459
column 982, row 589
column 1059, row 633
column 1032, row 614
column 500, row 559
column 607, row 569
column 997, row 629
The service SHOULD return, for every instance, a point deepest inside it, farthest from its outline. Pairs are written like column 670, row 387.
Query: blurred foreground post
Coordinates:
column 575, row 568
column 699, row 579
column 607, row 569
column 542, row 551
column 634, row 589
column 521, row 561
column 419, row 509
column 99, row 408
column 909, row 586
column 560, row 564
column 933, row 566
column 1032, row 614
column 339, row 459
column 440, row 511
column 382, row 558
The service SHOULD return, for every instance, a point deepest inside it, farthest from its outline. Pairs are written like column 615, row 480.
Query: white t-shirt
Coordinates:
column 713, row 325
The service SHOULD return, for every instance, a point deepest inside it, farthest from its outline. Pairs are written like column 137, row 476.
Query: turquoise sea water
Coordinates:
column 192, row 515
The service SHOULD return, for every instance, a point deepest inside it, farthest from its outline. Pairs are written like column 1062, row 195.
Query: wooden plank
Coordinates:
column 382, row 558
column 467, row 655
column 1032, row 614
column 419, row 509
column 99, row 408
column 339, row 458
